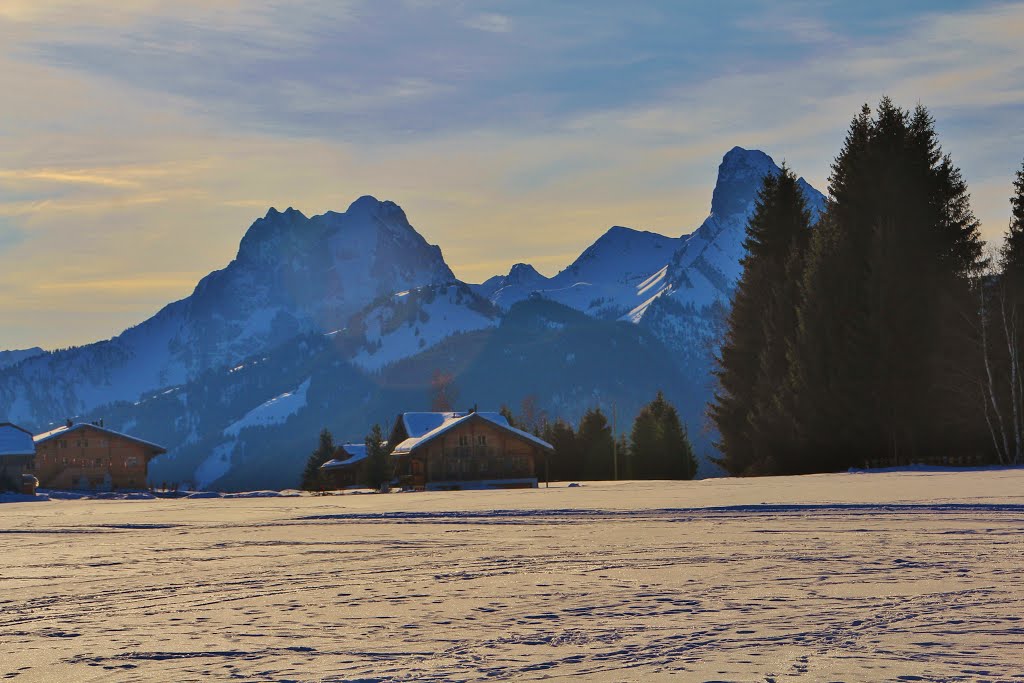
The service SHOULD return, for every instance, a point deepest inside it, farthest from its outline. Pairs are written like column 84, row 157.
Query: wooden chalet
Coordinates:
column 17, row 452
column 348, row 469
column 89, row 456
column 472, row 450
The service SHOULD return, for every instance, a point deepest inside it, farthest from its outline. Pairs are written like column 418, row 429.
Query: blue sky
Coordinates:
column 136, row 145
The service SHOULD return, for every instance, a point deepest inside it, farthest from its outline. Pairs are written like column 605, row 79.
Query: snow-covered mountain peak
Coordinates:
column 623, row 251
column 706, row 268
column 739, row 178
column 369, row 208
column 523, row 274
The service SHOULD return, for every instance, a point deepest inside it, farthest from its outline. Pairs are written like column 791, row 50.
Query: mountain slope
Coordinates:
column 253, row 426
column 9, row 358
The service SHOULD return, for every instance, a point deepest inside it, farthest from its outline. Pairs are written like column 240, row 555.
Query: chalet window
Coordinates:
column 481, row 440
column 131, row 462
column 463, row 440
column 85, row 443
column 99, row 462
column 65, row 461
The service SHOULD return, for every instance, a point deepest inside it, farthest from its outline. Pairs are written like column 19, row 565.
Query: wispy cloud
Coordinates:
column 144, row 137
column 66, row 177
column 492, row 23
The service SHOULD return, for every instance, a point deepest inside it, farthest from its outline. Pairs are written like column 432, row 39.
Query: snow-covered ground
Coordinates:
column 912, row 576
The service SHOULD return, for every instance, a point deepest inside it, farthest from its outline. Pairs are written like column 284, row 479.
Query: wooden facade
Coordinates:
column 88, row 456
column 473, row 450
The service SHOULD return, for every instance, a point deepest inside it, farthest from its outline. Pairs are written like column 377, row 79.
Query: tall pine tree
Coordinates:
column 595, row 443
column 566, row 461
column 1011, row 259
column 659, row 445
column 312, row 477
column 753, row 366
column 378, row 465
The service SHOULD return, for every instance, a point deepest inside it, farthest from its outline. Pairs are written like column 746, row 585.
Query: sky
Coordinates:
column 138, row 141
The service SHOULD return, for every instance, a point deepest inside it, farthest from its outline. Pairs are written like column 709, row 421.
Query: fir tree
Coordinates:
column 312, row 476
column 660, row 445
column 378, row 465
column 753, row 366
column 595, row 442
column 645, row 443
column 885, row 296
column 1011, row 256
column 566, row 463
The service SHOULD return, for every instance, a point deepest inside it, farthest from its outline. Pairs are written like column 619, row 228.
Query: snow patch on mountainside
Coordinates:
column 275, row 411
column 412, row 321
column 216, row 465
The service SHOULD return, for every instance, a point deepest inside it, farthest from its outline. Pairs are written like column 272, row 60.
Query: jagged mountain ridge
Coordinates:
column 625, row 270
column 334, row 314
column 15, row 356
column 292, row 275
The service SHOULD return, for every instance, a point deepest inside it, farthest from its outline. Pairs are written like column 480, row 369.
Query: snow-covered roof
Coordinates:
column 448, row 421
column 15, row 441
column 61, row 431
column 418, row 424
column 356, row 453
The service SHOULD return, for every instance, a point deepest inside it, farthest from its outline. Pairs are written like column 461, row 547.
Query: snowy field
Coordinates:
column 850, row 577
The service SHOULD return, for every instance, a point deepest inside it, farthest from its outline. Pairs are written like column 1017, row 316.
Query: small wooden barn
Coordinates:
column 348, row 469
column 17, row 453
column 89, row 456
column 471, row 450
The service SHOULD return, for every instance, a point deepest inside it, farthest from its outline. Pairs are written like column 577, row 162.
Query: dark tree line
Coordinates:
column 864, row 338
column 658, row 447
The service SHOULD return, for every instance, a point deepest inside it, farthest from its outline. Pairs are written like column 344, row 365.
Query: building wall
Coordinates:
column 11, row 469
column 91, row 459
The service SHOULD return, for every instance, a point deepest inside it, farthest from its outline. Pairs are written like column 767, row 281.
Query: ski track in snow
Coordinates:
column 831, row 578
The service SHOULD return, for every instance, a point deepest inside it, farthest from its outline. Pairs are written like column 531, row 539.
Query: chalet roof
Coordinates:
column 452, row 420
column 15, row 441
column 65, row 430
column 356, row 453
column 418, row 424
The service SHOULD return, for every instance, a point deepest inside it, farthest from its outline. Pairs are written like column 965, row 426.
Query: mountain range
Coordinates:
column 339, row 320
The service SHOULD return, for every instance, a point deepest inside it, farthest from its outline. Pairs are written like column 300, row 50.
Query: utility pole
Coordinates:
column 615, row 446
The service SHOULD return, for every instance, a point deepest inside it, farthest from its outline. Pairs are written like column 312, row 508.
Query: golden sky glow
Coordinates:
column 137, row 145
